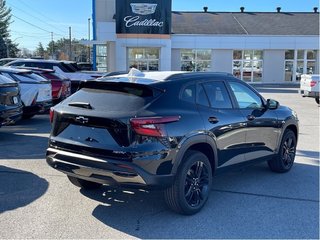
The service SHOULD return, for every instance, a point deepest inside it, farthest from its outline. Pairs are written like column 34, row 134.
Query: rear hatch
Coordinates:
column 32, row 82
column 9, row 93
column 96, row 119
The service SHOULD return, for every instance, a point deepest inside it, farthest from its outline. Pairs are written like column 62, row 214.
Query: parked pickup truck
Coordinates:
column 310, row 86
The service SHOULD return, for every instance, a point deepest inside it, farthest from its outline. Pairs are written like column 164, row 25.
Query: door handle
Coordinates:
column 251, row 117
column 213, row 120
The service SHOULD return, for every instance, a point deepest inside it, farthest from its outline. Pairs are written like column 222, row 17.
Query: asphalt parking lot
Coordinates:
column 39, row 202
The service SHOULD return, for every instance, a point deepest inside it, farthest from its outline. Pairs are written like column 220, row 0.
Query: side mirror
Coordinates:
column 272, row 104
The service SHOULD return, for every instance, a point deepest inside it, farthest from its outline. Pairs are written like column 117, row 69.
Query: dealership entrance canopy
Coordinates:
column 254, row 46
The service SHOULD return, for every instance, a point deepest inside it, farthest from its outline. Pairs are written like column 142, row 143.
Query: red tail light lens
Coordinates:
column 34, row 101
column 313, row 83
column 152, row 126
column 51, row 115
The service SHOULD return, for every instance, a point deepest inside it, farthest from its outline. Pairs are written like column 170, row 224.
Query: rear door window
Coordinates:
column 202, row 98
column 217, row 94
column 188, row 93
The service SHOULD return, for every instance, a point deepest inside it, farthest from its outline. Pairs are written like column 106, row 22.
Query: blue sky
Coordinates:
column 46, row 16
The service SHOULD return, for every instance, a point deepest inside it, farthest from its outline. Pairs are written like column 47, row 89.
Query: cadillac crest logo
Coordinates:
column 143, row 16
column 143, row 8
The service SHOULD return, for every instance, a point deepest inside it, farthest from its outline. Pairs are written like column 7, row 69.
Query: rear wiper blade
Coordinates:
column 80, row 105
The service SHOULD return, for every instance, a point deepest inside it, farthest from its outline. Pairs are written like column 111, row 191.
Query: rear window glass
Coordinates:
column 138, row 90
column 65, row 68
column 188, row 94
column 217, row 94
column 27, row 77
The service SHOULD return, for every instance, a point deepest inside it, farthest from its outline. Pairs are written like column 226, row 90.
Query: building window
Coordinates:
column 248, row 65
column 144, row 59
column 195, row 60
column 289, row 65
column 298, row 62
column 101, row 58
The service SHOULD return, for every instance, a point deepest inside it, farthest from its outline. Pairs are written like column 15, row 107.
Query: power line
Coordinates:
column 10, row 4
column 34, row 10
column 28, row 6
column 31, row 24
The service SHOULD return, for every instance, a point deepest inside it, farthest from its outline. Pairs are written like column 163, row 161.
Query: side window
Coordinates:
column 17, row 64
column 47, row 65
column 217, row 94
column 29, row 64
column 202, row 98
column 189, row 94
column 246, row 98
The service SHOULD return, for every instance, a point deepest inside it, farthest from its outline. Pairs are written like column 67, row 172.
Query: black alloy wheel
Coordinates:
column 284, row 160
column 196, row 184
column 192, row 184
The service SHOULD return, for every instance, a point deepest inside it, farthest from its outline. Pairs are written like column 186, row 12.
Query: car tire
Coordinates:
column 192, row 184
column 317, row 100
column 84, row 184
column 283, row 161
column 27, row 116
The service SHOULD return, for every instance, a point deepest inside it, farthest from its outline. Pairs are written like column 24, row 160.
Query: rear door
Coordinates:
column 224, row 123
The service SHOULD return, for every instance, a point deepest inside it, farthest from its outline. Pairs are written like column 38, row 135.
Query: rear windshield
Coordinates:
column 5, row 80
column 29, row 77
column 138, row 90
column 66, row 67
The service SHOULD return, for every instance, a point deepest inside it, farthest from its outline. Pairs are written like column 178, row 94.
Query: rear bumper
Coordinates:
column 105, row 171
column 10, row 116
column 306, row 93
column 39, row 107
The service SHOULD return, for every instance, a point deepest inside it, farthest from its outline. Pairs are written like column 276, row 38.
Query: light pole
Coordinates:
column 89, row 57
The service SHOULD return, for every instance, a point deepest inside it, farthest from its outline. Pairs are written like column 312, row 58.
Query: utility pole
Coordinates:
column 70, row 45
column 52, row 47
column 89, row 57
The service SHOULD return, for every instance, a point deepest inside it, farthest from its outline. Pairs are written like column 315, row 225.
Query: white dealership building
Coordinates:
column 268, row 47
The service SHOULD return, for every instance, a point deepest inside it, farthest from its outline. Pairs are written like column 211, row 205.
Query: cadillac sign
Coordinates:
column 143, row 16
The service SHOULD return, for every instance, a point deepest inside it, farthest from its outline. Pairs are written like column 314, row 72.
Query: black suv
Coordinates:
column 10, row 101
column 168, row 130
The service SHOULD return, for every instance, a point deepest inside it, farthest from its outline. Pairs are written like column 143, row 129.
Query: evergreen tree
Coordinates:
column 40, row 51
column 5, row 20
column 3, row 48
column 5, row 17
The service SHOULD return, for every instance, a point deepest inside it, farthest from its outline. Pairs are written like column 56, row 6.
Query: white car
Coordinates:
column 36, row 91
column 65, row 68
column 310, row 86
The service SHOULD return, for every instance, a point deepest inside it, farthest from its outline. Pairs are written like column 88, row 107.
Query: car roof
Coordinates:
column 35, row 69
column 14, row 70
column 38, row 60
column 160, row 76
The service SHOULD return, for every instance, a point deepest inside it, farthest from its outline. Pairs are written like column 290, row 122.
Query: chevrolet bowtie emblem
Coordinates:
column 82, row 119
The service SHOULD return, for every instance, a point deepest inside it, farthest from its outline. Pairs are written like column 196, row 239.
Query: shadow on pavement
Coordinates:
column 309, row 154
column 145, row 215
column 20, row 189
column 20, row 146
column 39, row 124
column 28, row 139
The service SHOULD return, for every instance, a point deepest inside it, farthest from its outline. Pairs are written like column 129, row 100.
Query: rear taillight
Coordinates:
column 34, row 101
column 51, row 115
column 66, row 89
column 313, row 83
column 152, row 126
